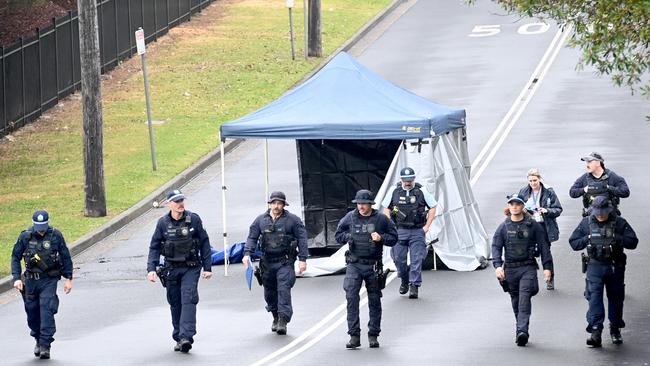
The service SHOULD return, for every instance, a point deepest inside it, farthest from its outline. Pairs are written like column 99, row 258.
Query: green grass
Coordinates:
column 209, row 71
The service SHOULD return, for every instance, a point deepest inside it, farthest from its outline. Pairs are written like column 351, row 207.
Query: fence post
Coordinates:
column 130, row 28
column 71, row 49
column 22, row 67
column 56, row 58
column 155, row 21
column 4, row 93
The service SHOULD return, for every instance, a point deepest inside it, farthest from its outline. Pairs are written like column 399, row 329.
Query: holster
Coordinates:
column 504, row 285
column 258, row 274
column 162, row 273
column 585, row 262
column 381, row 275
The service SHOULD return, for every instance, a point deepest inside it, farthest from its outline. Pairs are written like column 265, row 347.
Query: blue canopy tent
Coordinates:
column 345, row 101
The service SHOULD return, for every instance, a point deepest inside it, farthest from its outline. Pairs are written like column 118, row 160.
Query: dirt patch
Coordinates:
column 21, row 20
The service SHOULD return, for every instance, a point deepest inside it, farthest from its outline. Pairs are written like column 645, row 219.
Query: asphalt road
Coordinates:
column 114, row 317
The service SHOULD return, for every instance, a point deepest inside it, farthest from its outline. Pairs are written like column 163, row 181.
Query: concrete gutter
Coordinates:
column 190, row 173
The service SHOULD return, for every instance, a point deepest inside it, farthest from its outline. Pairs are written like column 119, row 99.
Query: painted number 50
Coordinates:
column 494, row 29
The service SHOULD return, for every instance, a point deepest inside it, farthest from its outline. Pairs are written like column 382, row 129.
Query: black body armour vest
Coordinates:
column 276, row 242
column 520, row 244
column 361, row 245
column 179, row 246
column 40, row 256
column 601, row 241
column 598, row 187
column 409, row 211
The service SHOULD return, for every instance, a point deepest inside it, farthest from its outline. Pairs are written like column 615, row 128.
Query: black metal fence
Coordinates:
column 38, row 71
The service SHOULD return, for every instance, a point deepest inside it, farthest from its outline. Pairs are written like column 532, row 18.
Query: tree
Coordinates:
column 614, row 35
column 315, row 40
column 91, row 96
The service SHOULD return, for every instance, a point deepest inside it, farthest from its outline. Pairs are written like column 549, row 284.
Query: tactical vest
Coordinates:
column 601, row 241
column 598, row 187
column 40, row 256
column 409, row 211
column 276, row 242
column 180, row 246
column 361, row 244
column 520, row 244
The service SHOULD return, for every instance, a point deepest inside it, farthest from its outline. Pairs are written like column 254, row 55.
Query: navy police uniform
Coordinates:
column 363, row 258
column 605, row 261
column 408, row 210
column 46, row 258
column 609, row 185
column 521, row 241
column 185, row 246
column 281, row 241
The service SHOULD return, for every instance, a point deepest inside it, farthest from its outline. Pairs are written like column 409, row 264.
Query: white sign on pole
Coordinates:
column 289, row 3
column 139, row 41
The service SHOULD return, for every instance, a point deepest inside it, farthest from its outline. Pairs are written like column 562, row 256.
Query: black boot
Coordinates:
column 44, row 353
column 37, row 350
column 274, row 325
column 354, row 342
column 372, row 341
column 282, row 325
column 595, row 340
column 616, row 335
column 404, row 287
column 186, row 345
column 522, row 339
column 413, row 292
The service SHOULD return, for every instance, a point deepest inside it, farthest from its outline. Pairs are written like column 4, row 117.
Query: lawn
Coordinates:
column 229, row 61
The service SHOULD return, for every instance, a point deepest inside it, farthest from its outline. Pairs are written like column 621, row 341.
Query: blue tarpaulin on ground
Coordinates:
column 235, row 254
column 344, row 100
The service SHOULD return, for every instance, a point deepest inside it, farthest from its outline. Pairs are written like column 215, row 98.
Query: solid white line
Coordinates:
column 553, row 50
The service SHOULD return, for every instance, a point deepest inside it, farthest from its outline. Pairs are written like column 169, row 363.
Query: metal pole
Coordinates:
column 266, row 168
column 293, row 50
column 223, row 207
column 146, row 92
column 435, row 264
column 304, row 15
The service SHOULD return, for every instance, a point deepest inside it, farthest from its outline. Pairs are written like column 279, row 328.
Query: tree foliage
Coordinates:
column 614, row 35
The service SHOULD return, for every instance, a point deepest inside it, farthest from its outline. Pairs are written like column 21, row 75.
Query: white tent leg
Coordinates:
column 266, row 168
column 223, row 209
column 433, row 250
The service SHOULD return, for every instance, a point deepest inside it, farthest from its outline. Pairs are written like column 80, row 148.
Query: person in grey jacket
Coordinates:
column 543, row 204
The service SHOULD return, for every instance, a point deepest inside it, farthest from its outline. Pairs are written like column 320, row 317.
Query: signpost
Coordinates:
column 293, row 50
column 139, row 42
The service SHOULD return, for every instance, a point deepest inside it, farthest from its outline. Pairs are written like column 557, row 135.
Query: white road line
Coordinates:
column 490, row 149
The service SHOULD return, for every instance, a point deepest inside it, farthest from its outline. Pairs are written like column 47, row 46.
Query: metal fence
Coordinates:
column 38, row 71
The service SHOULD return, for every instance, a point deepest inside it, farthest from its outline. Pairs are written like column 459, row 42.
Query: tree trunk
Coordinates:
column 315, row 40
column 91, row 95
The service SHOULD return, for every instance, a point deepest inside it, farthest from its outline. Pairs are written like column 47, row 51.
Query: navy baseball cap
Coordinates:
column 593, row 156
column 407, row 174
column 364, row 196
column 601, row 206
column 515, row 198
column 41, row 219
column 175, row 195
column 278, row 196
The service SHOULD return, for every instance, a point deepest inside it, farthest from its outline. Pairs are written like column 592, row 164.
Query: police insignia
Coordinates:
column 371, row 228
column 46, row 245
column 412, row 199
column 184, row 231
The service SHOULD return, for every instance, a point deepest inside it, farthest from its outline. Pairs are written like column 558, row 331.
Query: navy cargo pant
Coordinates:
column 182, row 296
column 278, row 278
column 601, row 277
column 413, row 241
column 41, row 303
column 355, row 275
column 523, row 285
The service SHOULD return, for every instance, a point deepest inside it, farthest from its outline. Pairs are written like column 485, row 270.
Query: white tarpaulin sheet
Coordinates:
column 441, row 166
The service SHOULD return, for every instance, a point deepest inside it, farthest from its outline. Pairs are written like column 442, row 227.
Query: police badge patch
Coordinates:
column 371, row 228
column 46, row 244
column 412, row 199
column 184, row 232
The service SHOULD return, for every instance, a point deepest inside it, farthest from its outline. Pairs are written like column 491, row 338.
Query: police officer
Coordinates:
column 604, row 235
column 47, row 258
column 413, row 210
column 183, row 242
column 366, row 231
column 282, row 237
column 521, row 237
column 598, row 181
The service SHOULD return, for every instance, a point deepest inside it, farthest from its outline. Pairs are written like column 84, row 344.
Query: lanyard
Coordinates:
column 536, row 198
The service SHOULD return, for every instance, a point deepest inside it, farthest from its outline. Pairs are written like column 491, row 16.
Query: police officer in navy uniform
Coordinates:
column 598, row 181
column 366, row 231
column 521, row 238
column 282, row 237
column 604, row 235
column 183, row 242
column 413, row 210
column 47, row 258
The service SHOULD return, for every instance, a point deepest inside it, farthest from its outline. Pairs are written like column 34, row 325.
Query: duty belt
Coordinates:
column 529, row 262
column 371, row 262
column 181, row 264
column 275, row 259
column 35, row 275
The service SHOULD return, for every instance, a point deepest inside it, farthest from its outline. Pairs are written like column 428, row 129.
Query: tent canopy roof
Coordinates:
column 344, row 100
